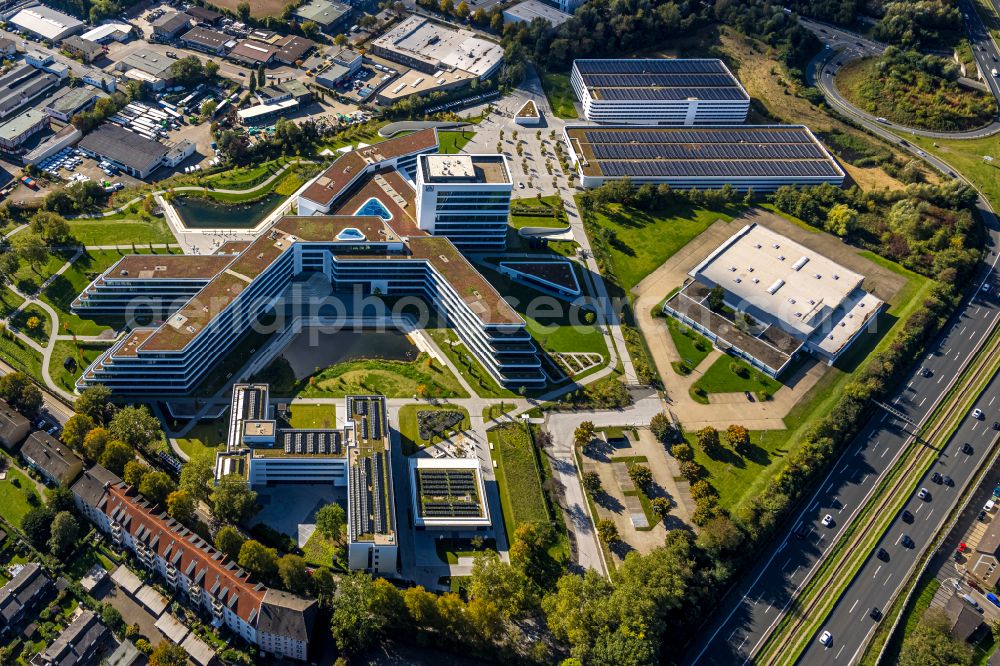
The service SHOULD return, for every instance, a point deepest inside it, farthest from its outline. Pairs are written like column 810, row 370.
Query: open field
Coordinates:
column 258, row 8
column 692, row 346
column 631, row 253
column 518, row 477
column 967, row 157
column 560, row 94
column 730, row 474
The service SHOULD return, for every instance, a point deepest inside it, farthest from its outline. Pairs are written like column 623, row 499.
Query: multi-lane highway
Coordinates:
column 754, row 608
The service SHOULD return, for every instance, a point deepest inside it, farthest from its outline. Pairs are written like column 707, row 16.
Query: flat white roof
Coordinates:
column 766, row 273
column 46, row 22
column 529, row 10
column 460, row 467
column 418, row 38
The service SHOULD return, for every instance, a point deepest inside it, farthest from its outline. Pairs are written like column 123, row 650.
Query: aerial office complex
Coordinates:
column 370, row 240
column 356, row 456
column 762, row 157
column 448, row 494
column 659, row 91
column 277, row 622
column 796, row 299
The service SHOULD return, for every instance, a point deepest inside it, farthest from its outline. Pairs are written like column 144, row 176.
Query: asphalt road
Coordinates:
column 845, row 46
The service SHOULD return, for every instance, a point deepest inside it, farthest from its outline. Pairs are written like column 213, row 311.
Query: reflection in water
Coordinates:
column 320, row 347
column 206, row 213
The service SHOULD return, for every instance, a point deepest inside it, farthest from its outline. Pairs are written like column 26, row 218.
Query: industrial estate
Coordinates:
column 533, row 331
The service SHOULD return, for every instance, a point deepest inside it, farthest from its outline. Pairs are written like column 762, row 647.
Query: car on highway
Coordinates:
column 947, row 480
column 926, row 372
column 801, row 531
column 884, row 121
column 906, row 541
column 936, row 477
column 977, row 414
column 875, row 613
column 826, row 638
column 882, row 554
column 986, row 286
column 924, row 494
column 827, row 520
column 967, row 449
column 906, row 516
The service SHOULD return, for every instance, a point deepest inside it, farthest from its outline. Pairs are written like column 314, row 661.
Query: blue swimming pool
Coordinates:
column 374, row 207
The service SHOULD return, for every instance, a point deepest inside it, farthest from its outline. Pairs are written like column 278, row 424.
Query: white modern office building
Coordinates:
column 465, row 198
column 659, row 91
column 448, row 494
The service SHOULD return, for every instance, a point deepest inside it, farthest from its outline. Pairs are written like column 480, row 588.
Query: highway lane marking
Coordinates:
column 785, row 565
column 962, row 332
column 837, row 656
column 922, row 401
column 992, row 400
column 830, row 487
column 940, row 377
column 929, row 514
column 884, row 452
column 875, row 575
column 958, row 355
column 852, row 607
column 887, row 579
column 972, row 335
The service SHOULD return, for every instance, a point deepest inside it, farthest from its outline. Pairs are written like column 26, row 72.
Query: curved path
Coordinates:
column 393, row 129
column 846, row 46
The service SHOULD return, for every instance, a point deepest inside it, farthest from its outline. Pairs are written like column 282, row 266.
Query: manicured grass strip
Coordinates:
column 692, row 346
column 204, row 439
column 20, row 355
column 560, row 95
column 305, row 415
column 33, row 314
column 518, row 477
column 65, row 287
column 82, row 354
column 475, row 374
column 720, row 378
column 452, row 142
column 107, row 232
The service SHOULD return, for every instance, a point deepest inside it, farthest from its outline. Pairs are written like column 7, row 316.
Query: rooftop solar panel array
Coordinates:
column 707, row 152
column 448, row 493
column 659, row 79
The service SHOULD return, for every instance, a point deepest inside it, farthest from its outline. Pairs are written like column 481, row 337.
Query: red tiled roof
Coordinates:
column 214, row 572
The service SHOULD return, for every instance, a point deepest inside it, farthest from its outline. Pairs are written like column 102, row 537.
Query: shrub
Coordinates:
column 682, row 452
column 432, row 423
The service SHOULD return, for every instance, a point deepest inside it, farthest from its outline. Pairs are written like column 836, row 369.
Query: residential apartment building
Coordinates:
column 278, row 623
column 14, row 427
column 51, row 458
column 465, row 198
column 78, row 643
column 25, row 592
column 659, row 91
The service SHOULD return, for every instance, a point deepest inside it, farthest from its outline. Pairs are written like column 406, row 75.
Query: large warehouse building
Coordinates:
column 659, row 91
column 796, row 299
column 762, row 157
column 46, row 23
column 429, row 47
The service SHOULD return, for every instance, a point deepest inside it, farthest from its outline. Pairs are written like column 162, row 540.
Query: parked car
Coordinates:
column 826, row 638
column 827, row 520
column 924, row 494
column 977, row 414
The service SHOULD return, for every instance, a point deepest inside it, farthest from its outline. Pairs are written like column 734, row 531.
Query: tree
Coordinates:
column 584, row 433
column 229, row 540
column 94, row 443
column 739, row 438
column 840, row 219
column 607, row 531
column 64, row 532
column 462, row 10
column 363, row 610
column 156, row 486
column 233, row 500
column 592, row 482
column 243, row 11
column 111, row 618
column 718, row 536
column 59, row 499
column 252, row 87
column 31, row 248
column 661, row 507
column 930, row 644
column 662, row 427
column 115, row 456
column 293, row 573
column 708, row 440
column 715, row 298
column 261, row 77
column 134, row 472
column 180, row 505
column 641, row 476
column 21, row 393
column 168, row 654
column 51, row 227
column 135, row 426
column 258, row 559
column 331, row 520
column 324, row 586
column 95, row 403
column 682, row 452
column 340, row 39
column 310, row 28
column 530, row 553
column 33, row 323
column 37, row 525
column 76, row 430
column 197, row 476
column 494, row 579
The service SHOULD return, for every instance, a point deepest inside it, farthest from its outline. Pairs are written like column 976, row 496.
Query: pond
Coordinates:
column 319, row 347
column 206, row 213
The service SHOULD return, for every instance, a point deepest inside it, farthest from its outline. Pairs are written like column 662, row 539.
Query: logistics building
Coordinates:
column 796, row 299
column 762, row 157
column 432, row 48
column 46, row 23
column 129, row 151
column 659, row 91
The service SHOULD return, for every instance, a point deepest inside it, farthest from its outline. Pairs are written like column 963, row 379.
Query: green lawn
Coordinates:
column 242, row 178
column 9, row 301
column 475, row 374
column 13, row 500
column 449, row 550
column 730, row 474
column 409, row 432
column 21, row 356
column 28, row 278
column 304, row 415
column 83, row 353
column 491, row 412
column 393, row 379
column 205, row 438
column 518, row 477
column 966, row 156
column 323, row 552
column 631, row 231
column 720, row 378
column 107, row 232
column 39, row 333
column 560, row 95
column 368, row 133
column 692, row 346
column 451, row 142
